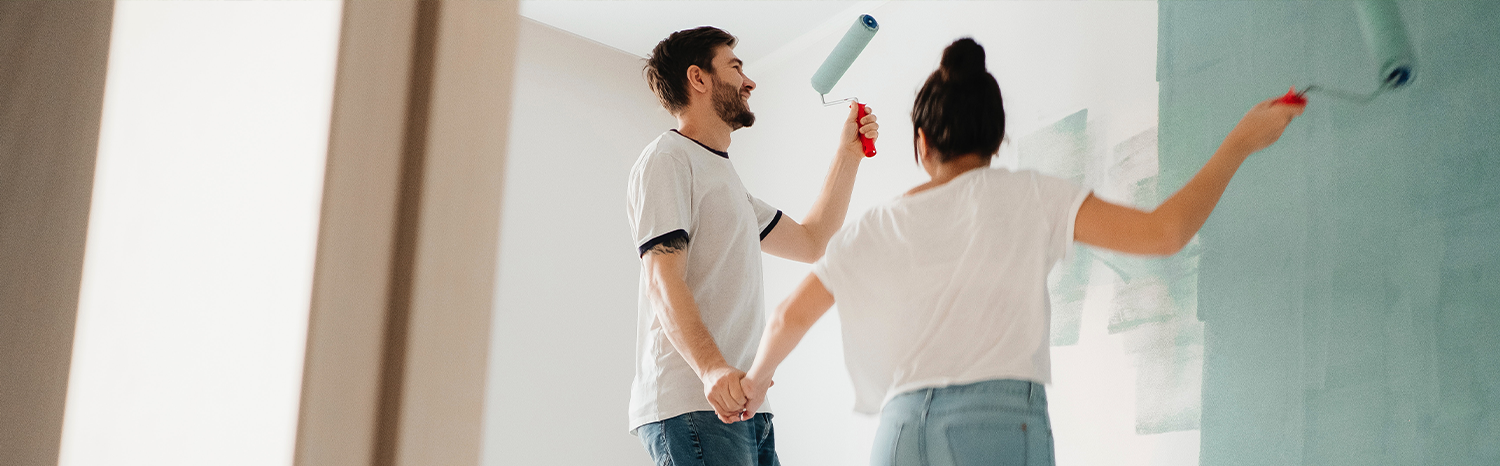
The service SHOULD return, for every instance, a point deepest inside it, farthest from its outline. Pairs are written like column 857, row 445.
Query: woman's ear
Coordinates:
column 921, row 145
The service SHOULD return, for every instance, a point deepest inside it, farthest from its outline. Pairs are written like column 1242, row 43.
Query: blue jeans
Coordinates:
column 994, row 422
column 699, row 438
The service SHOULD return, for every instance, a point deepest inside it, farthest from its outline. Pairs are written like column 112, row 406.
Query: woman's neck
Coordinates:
column 947, row 171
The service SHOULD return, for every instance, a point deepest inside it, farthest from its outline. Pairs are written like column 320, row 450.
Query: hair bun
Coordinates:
column 963, row 57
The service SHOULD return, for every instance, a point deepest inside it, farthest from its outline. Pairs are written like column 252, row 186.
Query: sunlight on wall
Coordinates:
column 198, row 271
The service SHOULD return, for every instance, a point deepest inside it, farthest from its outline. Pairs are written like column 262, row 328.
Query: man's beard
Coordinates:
column 731, row 108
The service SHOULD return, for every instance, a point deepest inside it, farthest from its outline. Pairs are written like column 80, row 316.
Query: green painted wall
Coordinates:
column 1350, row 279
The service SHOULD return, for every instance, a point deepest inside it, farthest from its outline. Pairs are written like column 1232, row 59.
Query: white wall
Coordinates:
column 193, row 312
column 564, row 338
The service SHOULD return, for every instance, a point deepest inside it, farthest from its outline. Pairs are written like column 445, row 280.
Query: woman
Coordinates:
column 943, row 291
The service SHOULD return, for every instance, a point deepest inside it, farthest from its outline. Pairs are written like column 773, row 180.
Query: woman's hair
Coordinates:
column 959, row 107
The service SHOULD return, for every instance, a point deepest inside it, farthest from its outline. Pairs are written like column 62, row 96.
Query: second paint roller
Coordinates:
column 838, row 62
column 1387, row 42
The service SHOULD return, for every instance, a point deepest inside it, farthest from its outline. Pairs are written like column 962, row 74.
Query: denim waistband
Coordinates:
column 1024, row 389
column 917, row 418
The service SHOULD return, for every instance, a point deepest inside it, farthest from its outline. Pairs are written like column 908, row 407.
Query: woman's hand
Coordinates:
column 1262, row 125
column 755, row 393
column 721, row 386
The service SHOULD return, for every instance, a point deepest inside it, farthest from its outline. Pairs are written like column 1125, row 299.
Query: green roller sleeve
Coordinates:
column 844, row 53
column 1385, row 37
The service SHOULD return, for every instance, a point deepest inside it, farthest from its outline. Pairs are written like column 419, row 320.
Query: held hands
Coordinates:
column 849, row 141
column 734, row 396
column 755, row 393
column 724, row 391
column 1262, row 125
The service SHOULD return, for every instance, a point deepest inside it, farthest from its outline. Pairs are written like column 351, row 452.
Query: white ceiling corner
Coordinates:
column 634, row 26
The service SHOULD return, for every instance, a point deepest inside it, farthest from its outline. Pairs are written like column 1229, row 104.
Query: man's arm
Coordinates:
column 804, row 242
column 1171, row 226
column 684, row 327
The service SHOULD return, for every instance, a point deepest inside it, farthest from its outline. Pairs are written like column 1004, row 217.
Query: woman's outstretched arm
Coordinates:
column 788, row 325
column 1172, row 225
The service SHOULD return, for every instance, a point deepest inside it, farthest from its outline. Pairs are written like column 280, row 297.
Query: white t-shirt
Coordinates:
column 948, row 286
column 679, row 188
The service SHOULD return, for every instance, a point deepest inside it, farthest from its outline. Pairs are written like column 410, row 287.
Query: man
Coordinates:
column 699, row 235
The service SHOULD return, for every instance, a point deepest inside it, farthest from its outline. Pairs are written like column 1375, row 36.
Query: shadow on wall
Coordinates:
column 562, row 341
column 1350, row 280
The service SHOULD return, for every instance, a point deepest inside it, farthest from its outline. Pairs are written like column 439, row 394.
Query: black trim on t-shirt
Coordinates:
column 767, row 231
column 705, row 146
column 678, row 234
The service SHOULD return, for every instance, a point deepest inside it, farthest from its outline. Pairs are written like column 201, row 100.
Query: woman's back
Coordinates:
column 944, row 292
column 949, row 285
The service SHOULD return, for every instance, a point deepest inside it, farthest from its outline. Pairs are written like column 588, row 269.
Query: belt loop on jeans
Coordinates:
column 927, row 404
column 1031, row 392
column 922, row 427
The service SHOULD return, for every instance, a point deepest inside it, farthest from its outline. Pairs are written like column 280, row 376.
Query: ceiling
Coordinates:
column 636, row 26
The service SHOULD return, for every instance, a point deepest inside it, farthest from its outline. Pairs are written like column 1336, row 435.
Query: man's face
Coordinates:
column 731, row 92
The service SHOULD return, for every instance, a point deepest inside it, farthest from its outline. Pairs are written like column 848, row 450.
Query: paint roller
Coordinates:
column 838, row 62
column 1385, row 38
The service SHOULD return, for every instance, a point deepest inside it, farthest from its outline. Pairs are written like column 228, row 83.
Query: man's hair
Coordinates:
column 959, row 108
column 666, row 68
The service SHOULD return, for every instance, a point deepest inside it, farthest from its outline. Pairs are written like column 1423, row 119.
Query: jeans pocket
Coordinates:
column 1043, row 456
column 654, row 437
column 765, row 427
column 987, row 443
column 1041, row 440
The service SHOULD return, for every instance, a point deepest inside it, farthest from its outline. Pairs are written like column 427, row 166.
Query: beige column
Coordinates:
column 407, row 244
column 52, row 61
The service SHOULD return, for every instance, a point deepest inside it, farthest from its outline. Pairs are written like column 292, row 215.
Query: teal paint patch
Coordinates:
column 1349, row 280
column 1151, row 302
column 1154, row 303
column 1062, row 150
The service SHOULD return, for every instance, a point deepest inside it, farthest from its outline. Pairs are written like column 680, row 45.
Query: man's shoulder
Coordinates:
column 666, row 147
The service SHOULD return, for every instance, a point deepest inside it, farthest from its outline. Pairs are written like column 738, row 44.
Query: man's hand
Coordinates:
column 849, row 140
column 723, row 389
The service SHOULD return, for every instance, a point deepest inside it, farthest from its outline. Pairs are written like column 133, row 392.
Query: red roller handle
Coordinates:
column 1292, row 98
column 864, row 141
